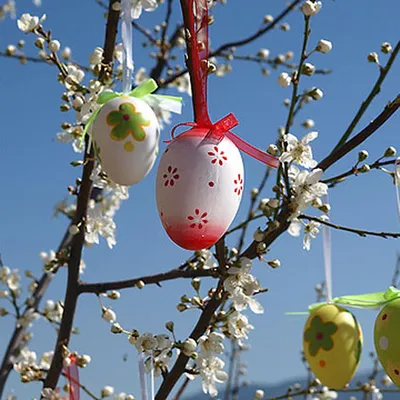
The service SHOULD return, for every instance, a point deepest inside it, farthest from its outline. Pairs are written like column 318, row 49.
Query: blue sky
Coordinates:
column 35, row 174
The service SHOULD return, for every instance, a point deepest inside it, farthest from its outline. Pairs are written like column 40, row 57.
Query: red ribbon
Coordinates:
column 72, row 374
column 195, row 14
column 222, row 128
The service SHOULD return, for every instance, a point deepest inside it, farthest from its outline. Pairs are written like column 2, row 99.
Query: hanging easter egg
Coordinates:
column 199, row 188
column 125, row 135
column 332, row 343
column 387, row 340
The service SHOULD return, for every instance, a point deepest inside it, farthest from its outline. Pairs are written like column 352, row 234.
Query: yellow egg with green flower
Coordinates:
column 332, row 344
column 387, row 339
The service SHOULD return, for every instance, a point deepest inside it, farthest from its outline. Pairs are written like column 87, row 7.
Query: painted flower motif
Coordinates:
column 319, row 335
column 197, row 219
column 239, row 185
column 218, row 156
column 170, row 176
column 126, row 121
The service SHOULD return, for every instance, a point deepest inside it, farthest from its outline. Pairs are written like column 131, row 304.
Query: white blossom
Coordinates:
column 139, row 5
column 311, row 8
column 97, row 56
column 238, row 325
column 307, row 188
column 183, row 84
column 146, row 342
column 46, row 359
column 284, row 79
column 66, row 53
column 213, row 343
column 28, row 23
column 211, row 372
column 189, row 346
column 50, row 394
column 299, row 151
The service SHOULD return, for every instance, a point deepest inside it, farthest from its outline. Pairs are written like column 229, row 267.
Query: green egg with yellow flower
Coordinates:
column 332, row 344
column 387, row 339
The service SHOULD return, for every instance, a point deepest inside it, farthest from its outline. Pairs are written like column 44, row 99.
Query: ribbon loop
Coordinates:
column 145, row 88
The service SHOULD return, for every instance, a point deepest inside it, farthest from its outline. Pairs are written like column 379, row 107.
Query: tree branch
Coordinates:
column 360, row 232
column 365, row 104
column 336, row 155
column 103, row 287
column 72, row 292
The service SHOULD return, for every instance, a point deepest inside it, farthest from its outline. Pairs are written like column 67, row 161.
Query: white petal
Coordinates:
column 255, row 306
column 314, row 176
column 309, row 137
column 295, row 228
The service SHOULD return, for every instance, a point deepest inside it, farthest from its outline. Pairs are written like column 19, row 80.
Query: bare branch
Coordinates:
column 176, row 273
column 360, row 232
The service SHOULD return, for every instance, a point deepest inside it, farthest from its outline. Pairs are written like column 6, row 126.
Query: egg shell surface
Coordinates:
column 387, row 339
column 125, row 137
column 332, row 344
column 199, row 188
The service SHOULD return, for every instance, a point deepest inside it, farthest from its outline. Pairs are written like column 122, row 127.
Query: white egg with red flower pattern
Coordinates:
column 199, row 188
column 125, row 136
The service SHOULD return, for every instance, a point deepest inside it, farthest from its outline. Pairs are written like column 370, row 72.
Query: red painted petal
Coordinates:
column 166, row 182
column 172, row 182
column 169, row 169
column 205, row 221
column 220, row 162
column 203, row 215
column 176, row 176
column 235, row 190
column 200, row 226
column 164, row 176
column 193, row 225
column 197, row 211
column 235, row 182
column 214, row 161
column 210, row 153
column 224, row 158
column 216, row 148
column 174, row 170
column 190, row 218
column 222, row 152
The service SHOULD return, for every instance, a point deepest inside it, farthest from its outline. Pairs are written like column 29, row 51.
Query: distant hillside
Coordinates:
column 247, row 393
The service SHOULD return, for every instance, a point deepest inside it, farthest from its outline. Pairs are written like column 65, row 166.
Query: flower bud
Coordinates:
column 324, row 46
column 107, row 391
column 258, row 395
column 325, row 208
column 390, row 152
column 268, row 19
column 170, row 326
column 274, row 263
column 114, row 295
column 308, row 69
column 316, row 94
column 140, row 285
column 362, row 155
column 54, row 46
column 365, row 168
column 272, row 150
column 284, row 79
column 258, row 235
column 188, row 347
column 373, row 58
column 263, row 53
column 196, row 284
column 116, row 328
column 386, row 48
column 108, row 314
column 39, row 43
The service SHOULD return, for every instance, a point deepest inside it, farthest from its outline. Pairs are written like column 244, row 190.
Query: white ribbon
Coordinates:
column 126, row 33
column 161, row 102
column 397, row 186
column 152, row 380
column 326, row 242
column 142, row 377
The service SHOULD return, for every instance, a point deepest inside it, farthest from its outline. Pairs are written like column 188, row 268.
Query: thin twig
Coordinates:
column 365, row 104
column 359, row 232
column 372, row 127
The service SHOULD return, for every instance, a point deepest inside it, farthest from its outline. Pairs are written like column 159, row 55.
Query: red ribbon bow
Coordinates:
column 195, row 15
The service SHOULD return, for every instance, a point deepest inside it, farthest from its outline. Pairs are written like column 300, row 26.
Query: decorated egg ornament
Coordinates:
column 200, row 177
column 199, row 188
column 126, row 135
column 332, row 343
column 125, row 131
column 387, row 339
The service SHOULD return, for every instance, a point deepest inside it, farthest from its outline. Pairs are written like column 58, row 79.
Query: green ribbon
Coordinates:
column 141, row 92
column 368, row 300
